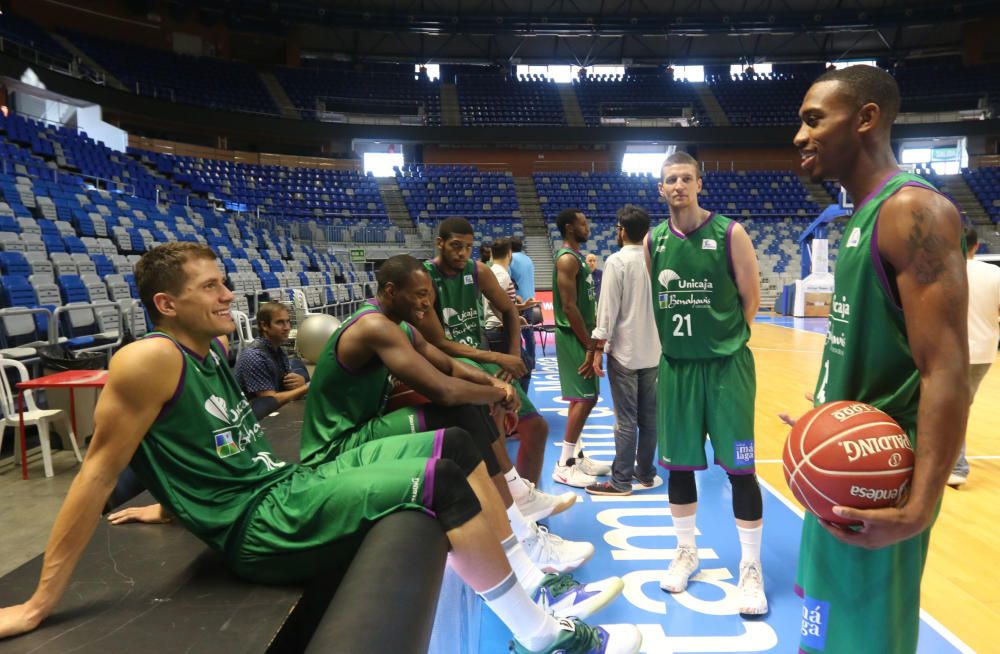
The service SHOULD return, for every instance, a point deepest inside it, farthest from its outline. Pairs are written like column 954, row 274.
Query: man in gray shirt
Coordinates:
column 626, row 330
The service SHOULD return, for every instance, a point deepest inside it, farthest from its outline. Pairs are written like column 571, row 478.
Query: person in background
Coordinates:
column 984, row 311
column 262, row 368
column 595, row 272
column 626, row 330
column 522, row 271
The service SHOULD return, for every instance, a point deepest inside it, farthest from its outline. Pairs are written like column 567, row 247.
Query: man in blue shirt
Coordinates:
column 522, row 272
column 262, row 368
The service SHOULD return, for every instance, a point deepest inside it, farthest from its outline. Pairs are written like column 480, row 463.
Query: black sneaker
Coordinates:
column 607, row 488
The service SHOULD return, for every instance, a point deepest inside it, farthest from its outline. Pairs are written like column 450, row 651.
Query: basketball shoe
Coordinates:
column 572, row 474
column 552, row 553
column 577, row 637
column 751, row 588
column 565, row 597
column 591, row 467
column 680, row 570
column 536, row 505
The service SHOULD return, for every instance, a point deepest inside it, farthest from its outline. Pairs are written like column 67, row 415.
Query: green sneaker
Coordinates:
column 577, row 637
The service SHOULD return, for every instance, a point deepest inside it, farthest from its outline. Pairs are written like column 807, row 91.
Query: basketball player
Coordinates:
column 199, row 449
column 336, row 422
column 899, row 343
column 457, row 328
column 706, row 292
column 575, row 305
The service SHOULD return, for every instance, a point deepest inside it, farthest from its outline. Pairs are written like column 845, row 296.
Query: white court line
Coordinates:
column 942, row 630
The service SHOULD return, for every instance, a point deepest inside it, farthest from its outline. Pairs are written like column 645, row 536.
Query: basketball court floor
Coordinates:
column 635, row 539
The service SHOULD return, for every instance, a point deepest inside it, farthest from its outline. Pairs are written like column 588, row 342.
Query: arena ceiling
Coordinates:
column 587, row 32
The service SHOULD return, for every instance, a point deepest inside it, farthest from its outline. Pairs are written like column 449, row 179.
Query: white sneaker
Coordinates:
column 572, row 475
column 591, row 467
column 680, row 570
column 751, row 589
column 535, row 504
column 552, row 553
column 956, row 480
column 565, row 597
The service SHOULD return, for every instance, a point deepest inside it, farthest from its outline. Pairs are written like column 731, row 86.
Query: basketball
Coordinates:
column 848, row 454
column 402, row 396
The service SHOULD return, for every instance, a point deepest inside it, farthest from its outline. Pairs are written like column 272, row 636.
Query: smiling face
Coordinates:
column 680, row 185
column 201, row 306
column 412, row 300
column 829, row 139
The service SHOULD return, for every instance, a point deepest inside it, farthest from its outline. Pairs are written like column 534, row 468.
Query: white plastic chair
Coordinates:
column 32, row 415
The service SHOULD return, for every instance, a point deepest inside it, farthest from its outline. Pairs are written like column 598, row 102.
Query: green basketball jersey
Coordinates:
column 696, row 302
column 205, row 457
column 459, row 305
column 867, row 357
column 341, row 399
column 586, row 297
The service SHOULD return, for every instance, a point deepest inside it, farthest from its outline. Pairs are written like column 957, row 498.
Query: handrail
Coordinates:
column 101, row 304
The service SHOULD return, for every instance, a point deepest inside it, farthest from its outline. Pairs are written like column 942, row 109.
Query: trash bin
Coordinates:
column 57, row 358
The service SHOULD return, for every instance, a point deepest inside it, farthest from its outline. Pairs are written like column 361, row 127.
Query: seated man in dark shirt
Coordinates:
column 263, row 369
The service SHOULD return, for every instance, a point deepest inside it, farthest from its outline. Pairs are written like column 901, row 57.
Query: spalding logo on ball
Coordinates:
column 847, row 454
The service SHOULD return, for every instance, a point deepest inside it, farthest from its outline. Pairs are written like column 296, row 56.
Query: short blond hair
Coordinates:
column 682, row 158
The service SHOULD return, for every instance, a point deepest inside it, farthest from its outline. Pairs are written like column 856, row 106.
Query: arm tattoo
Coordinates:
column 927, row 250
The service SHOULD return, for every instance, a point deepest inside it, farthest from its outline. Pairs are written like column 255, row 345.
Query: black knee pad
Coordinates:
column 473, row 419
column 452, row 500
column 468, row 419
column 747, row 502
column 457, row 445
column 681, row 488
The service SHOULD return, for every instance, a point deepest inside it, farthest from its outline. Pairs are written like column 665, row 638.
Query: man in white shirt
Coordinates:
column 984, row 332
column 626, row 330
column 493, row 321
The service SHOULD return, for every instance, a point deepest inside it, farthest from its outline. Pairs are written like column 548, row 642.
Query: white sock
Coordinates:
column 532, row 627
column 518, row 489
column 568, row 452
column 685, row 531
column 520, row 525
column 524, row 568
column 750, row 544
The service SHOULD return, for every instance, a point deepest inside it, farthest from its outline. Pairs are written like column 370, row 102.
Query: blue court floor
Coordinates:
column 635, row 540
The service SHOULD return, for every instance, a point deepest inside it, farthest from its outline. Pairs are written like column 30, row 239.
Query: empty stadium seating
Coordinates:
column 393, row 91
column 636, row 96
column 495, row 100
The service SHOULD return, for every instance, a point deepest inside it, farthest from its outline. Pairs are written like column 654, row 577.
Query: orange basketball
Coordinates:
column 403, row 396
column 848, row 454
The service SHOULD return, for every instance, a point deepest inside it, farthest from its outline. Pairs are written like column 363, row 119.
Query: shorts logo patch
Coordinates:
column 743, row 453
column 815, row 618
column 224, row 445
column 413, row 423
column 414, row 489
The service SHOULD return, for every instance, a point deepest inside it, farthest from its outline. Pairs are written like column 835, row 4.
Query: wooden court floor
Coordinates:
column 961, row 585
